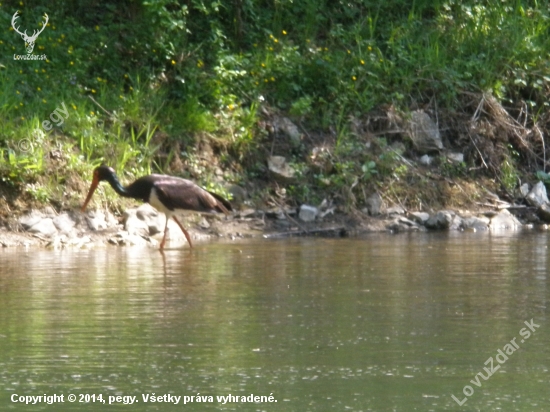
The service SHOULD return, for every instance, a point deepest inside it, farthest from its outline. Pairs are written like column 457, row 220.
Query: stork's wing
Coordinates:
column 176, row 193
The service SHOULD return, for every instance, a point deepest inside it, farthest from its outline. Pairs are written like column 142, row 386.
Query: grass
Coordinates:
column 147, row 84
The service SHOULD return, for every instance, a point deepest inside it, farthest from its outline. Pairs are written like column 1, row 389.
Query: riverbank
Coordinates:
column 142, row 226
column 306, row 184
column 362, row 109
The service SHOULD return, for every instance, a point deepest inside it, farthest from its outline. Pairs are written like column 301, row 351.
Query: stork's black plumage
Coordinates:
column 167, row 194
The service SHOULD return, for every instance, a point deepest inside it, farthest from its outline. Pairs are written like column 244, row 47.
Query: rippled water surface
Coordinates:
column 380, row 323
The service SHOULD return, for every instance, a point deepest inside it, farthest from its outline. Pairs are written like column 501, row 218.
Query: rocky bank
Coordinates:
column 144, row 226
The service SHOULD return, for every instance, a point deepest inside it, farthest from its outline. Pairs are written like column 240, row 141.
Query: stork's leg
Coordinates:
column 165, row 230
column 184, row 231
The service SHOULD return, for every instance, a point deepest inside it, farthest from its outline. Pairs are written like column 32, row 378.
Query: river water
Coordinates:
column 378, row 323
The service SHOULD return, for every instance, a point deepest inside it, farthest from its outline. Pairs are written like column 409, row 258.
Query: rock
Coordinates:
column 117, row 239
column 6, row 242
column 543, row 212
column 329, row 211
column 44, row 227
column 426, row 160
column 280, row 169
column 31, row 219
column 79, row 241
column 524, row 189
column 308, row 213
column 395, row 210
column 537, row 196
column 203, row 224
column 135, row 240
column 249, row 213
column 285, row 125
column 401, row 224
column 456, row 223
column 398, row 147
column 124, row 238
column 134, row 225
column 110, row 219
column 278, row 213
column 143, row 221
column 419, row 217
column 374, row 204
column 152, row 220
column 96, row 220
column 49, row 211
column 282, row 224
column 326, row 208
column 64, row 223
column 476, row 223
column 424, row 132
column 321, row 160
column 440, row 220
column 144, row 212
column 504, row 220
column 57, row 242
column 239, row 194
column 456, row 157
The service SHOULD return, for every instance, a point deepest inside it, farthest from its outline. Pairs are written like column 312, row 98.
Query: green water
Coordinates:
column 380, row 323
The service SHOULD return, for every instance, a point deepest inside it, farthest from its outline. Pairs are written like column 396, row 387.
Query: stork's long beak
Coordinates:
column 93, row 187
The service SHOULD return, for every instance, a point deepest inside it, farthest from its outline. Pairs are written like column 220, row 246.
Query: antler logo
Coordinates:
column 29, row 40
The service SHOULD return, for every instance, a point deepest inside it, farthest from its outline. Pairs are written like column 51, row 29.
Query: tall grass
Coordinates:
column 143, row 79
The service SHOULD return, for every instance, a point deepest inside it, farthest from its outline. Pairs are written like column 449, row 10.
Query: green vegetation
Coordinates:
column 192, row 88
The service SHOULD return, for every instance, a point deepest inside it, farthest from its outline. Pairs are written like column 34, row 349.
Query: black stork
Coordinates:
column 167, row 194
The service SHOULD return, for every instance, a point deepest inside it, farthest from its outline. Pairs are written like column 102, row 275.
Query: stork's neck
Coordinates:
column 117, row 186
